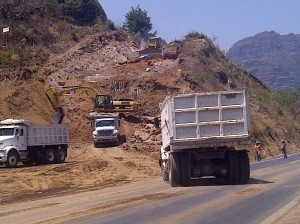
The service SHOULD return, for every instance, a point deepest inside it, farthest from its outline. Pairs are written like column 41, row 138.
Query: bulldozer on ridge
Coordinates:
column 153, row 49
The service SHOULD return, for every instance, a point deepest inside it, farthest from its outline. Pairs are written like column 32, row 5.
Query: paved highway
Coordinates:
column 273, row 190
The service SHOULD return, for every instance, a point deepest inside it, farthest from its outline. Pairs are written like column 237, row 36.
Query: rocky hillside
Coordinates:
column 272, row 57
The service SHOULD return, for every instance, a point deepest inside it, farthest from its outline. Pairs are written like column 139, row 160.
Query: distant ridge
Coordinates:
column 273, row 58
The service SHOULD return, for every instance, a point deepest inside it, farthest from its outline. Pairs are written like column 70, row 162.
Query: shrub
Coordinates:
column 195, row 35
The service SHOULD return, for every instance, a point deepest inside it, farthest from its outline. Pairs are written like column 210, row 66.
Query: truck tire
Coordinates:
column 12, row 159
column 233, row 168
column 49, row 156
column 60, row 155
column 244, row 166
column 165, row 175
column 185, row 169
column 174, row 169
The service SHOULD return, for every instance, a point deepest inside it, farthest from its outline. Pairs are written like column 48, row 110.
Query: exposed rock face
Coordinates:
column 271, row 57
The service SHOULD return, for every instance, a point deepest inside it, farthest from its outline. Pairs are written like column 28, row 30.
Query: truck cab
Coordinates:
column 12, row 138
column 105, row 129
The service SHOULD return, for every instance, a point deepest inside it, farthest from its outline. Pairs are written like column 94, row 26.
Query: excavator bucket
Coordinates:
column 55, row 118
column 58, row 116
column 149, row 53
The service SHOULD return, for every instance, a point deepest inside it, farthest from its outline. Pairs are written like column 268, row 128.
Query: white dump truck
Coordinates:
column 22, row 141
column 200, row 133
column 105, row 128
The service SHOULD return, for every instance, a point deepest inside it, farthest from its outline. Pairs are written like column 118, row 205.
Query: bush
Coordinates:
column 280, row 110
column 110, row 25
column 13, row 55
column 195, row 35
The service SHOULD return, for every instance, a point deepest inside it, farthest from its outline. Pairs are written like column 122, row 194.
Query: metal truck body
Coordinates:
column 22, row 141
column 105, row 128
column 199, row 134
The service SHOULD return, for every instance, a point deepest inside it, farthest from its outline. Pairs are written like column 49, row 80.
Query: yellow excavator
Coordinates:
column 103, row 102
column 153, row 48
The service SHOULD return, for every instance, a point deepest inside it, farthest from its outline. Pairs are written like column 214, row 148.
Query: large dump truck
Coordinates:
column 23, row 141
column 200, row 136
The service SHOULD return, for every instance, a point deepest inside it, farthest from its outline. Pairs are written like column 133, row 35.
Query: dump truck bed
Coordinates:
column 52, row 134
column 205, row 120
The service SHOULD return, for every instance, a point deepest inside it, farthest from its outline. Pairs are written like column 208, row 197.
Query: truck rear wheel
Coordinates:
column 49, row 156
column 12, row 159
column 233, row 168
column 174, row 169
column 165, row 176
column 244, row 166
column 60, row 155
column 185, row 169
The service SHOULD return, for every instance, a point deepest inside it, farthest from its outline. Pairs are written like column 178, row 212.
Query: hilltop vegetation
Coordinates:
column 38, row 28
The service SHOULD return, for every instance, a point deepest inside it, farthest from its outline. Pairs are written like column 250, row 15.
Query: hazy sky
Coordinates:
column 226, row 20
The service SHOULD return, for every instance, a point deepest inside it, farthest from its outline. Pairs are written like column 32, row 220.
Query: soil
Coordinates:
column 87, row 168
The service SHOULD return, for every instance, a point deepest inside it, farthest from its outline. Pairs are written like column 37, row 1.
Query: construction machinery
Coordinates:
column 153, row 48
column 102, row 102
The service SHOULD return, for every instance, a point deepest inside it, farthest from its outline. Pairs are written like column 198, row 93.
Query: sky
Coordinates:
column 224, row 21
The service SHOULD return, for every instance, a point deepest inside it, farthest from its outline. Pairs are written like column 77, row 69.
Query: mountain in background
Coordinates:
column 273, row 58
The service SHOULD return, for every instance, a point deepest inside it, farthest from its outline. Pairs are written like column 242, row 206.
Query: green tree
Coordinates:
column 85, row 12
column 137, row 21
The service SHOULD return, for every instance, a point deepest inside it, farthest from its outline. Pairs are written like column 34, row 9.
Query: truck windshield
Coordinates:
column 7, row 131
column 104, row 123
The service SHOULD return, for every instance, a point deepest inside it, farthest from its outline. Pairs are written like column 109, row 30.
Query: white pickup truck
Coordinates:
column 105, row 128
column 22, row 141
column 200, row 133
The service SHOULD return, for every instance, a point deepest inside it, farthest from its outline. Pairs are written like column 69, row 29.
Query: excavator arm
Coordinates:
column 54, row 94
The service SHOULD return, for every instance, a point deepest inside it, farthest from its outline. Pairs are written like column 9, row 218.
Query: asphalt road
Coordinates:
column 274, row 188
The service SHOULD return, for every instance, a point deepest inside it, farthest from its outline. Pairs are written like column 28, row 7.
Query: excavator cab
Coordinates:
column 105, row 103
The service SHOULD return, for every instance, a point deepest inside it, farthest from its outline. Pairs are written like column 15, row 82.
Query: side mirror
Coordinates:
column 157, row 122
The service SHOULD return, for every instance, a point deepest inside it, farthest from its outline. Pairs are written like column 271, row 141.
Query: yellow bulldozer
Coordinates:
column 103, row 102
column 153, row 48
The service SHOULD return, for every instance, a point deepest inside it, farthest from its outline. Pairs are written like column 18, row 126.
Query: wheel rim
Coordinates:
column 61, row 155
column 51, row 156
column 12, row 160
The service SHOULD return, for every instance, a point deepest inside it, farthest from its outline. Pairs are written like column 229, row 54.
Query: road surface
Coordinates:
column 272, row 196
